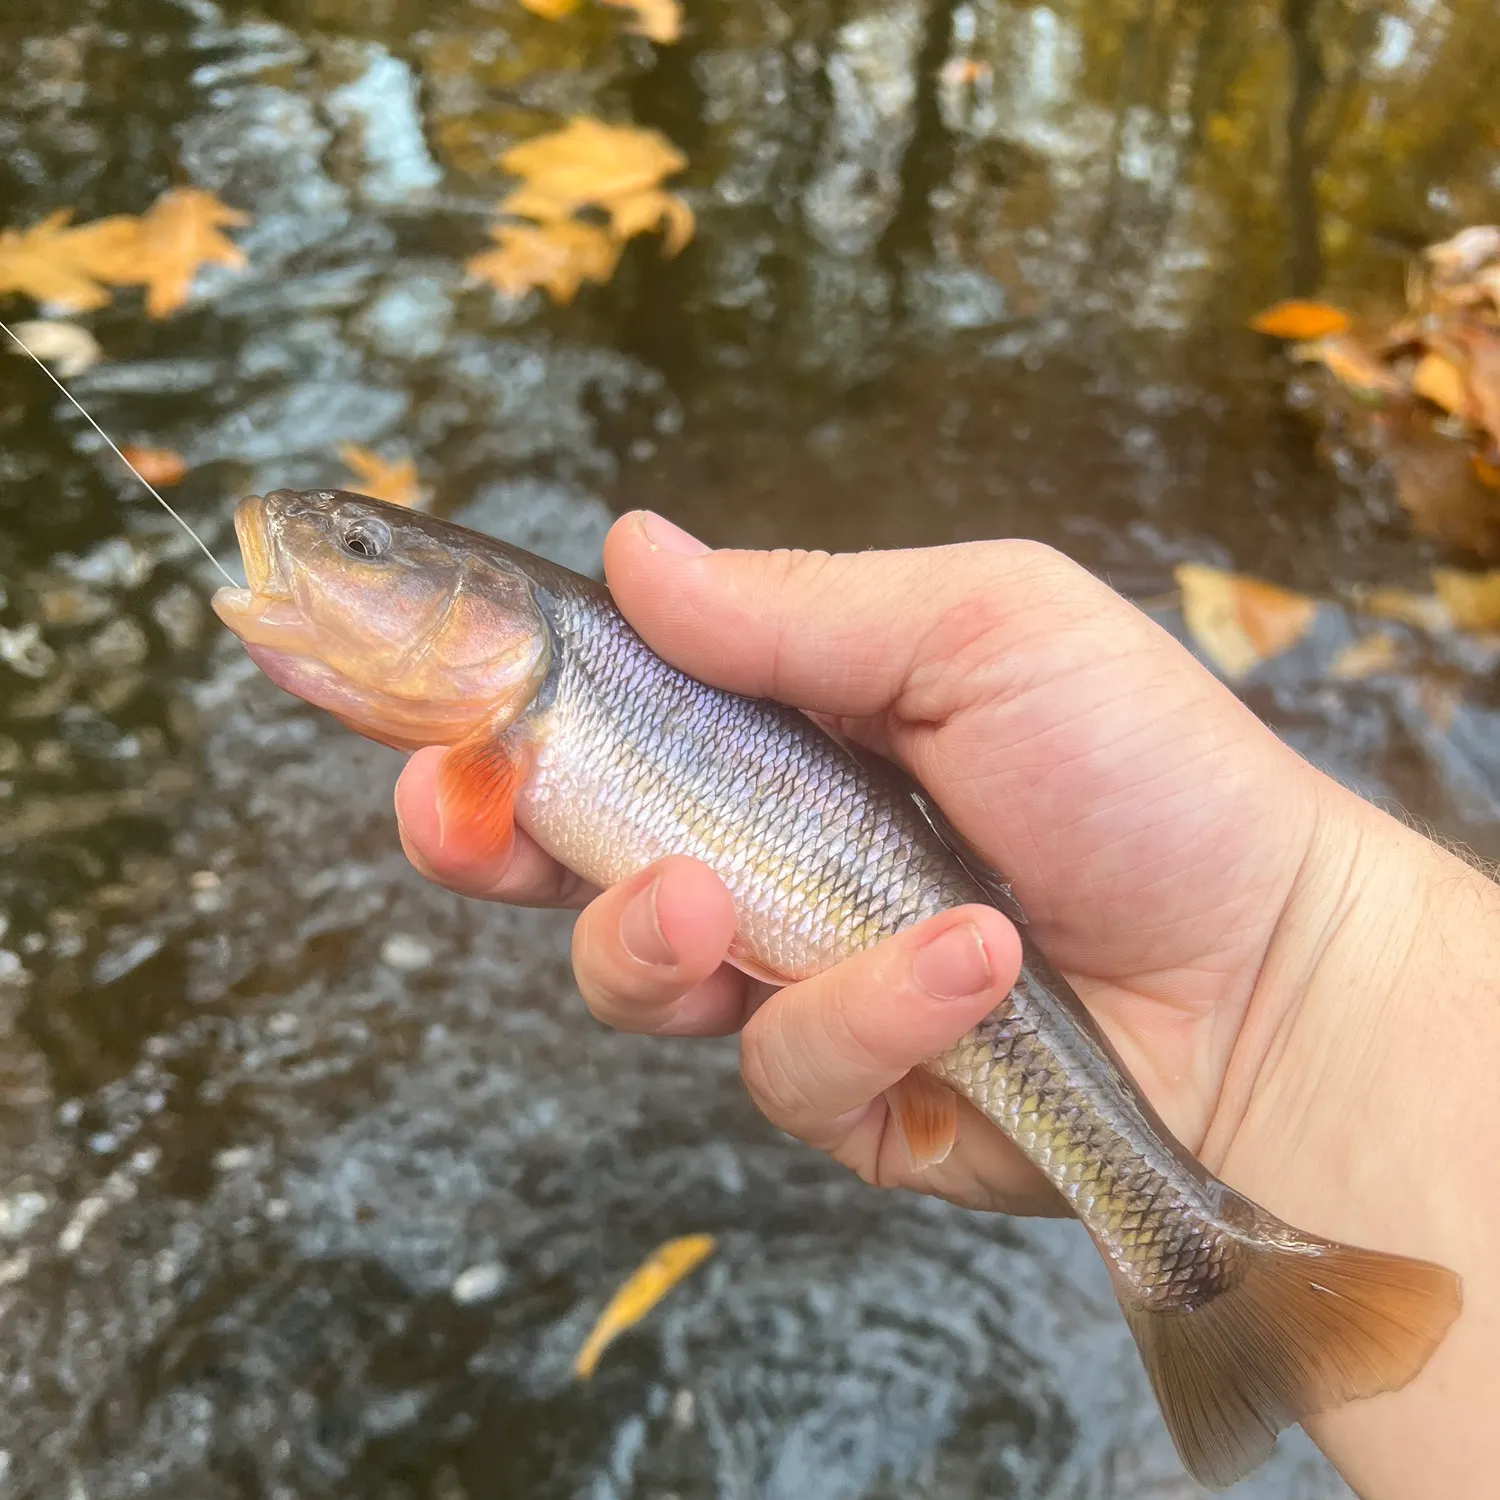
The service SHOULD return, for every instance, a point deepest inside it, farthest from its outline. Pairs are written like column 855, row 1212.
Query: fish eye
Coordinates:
column 365, row 537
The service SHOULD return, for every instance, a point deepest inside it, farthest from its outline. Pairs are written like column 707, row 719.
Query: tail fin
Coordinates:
column 1307, row 1326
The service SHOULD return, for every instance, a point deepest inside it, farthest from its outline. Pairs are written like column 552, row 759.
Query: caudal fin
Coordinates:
column 1306, row 1326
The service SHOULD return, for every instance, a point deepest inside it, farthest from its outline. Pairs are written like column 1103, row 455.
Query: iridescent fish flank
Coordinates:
column 560, row 719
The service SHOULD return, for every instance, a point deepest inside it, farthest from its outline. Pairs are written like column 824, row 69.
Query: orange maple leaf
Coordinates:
column 393, row 480
column 1297, row 319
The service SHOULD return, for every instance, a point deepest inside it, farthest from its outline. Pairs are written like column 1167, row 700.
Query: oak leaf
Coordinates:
column 179, row 234
column 642, row 1290
column 1240, row 622
column 559, row 256
column 393, row 480
column 1298, row 319
column 68, row 266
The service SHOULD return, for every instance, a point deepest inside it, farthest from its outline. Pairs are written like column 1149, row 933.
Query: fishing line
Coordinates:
column 26, row 349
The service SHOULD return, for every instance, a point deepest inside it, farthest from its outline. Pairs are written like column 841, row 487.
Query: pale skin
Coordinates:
column 1304, row 987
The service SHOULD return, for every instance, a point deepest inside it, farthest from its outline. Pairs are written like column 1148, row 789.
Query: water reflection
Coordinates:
column 961, row 270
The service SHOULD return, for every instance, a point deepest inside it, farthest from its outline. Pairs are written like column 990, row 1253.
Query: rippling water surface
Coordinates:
column 960, row 271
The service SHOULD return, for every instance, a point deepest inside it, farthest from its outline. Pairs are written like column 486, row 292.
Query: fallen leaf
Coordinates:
column 1459, row 258
column 551, row 10
column 157, row 466
column 660, row 20
column 179, row 234
column 1355, row 367
column 588, row 164
column 1376, row 652
column 559, row 256
column 1471, row 599
column 1297, row 319
column 1440, row 381
column 1482, row 345
column 1239, row 621
column 1424, row 611
column 392, row 480
column 646, row 1286
column 68, row 347
column 65, row 266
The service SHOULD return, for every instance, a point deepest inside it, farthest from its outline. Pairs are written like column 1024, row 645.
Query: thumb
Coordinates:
column 842, row 634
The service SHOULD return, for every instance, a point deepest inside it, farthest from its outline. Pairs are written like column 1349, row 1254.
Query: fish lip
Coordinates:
column 252, row 530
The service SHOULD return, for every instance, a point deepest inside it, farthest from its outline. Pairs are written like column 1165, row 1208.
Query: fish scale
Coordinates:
column 1244, row 1323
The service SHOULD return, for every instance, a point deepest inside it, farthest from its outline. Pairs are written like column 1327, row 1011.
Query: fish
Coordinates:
column 559, row 719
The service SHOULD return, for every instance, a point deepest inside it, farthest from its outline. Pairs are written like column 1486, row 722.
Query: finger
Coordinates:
column 817, row 1054
column 650, row 954
column 820, row 631
column 522, row 875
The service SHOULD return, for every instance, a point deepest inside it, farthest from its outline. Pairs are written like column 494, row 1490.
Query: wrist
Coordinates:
column 1370, row 1114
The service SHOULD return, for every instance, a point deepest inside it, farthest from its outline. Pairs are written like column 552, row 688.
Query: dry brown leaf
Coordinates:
column 660, row 20
column 392, row 480
column 1471, row 599
column 68, row 347
column 1298, row 319
column 157, row 466
column 1240, row 622
column 1355, row 367
column 1482, row 345
column 646, row 1286
column 1376, row 652
column 1442, row 383
column 68, row 267
column 1459, row 258
column 179, row 234
column 559, row 256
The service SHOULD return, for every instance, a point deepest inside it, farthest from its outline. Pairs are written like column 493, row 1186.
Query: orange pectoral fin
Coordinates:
column 926, row 1116
column 477, row 782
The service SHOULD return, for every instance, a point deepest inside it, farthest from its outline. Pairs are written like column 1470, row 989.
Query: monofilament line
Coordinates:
column 26, row 349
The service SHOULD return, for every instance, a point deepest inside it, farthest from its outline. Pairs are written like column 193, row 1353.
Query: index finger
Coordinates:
column 522, row 875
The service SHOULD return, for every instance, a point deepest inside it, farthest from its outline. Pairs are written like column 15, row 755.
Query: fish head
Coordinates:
column 393, row 621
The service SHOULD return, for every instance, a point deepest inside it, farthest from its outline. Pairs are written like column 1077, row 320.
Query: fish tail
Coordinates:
column 1301, row 1325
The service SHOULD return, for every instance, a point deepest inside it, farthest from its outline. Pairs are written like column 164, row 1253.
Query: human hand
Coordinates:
column 1302, row 986
column 1077, row 746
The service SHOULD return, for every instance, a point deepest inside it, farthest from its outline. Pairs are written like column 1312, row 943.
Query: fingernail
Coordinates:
column 665, row 537
column 640, row 930
column 953, row 965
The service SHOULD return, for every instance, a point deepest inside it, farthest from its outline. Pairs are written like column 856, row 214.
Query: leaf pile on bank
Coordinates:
column 1430, row 380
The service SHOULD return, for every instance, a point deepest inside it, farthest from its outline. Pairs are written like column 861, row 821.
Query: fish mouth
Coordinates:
column 264, row 605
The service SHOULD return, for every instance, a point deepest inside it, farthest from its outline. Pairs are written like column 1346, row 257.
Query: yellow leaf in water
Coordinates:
column 1442, row 383
column 1296, row 319
column 587, row 163
column 1240, row 622
column 1365, row 657
column 559, row 256
column 179, row 234
column 64, row 266
column 652, row 1280
column 660, row 20
column 1471, row 599
column 392, row 480
column 1424, row 611
column 551, row 10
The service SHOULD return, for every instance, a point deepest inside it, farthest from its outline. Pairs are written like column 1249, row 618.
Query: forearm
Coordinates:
column 1375, row 1119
